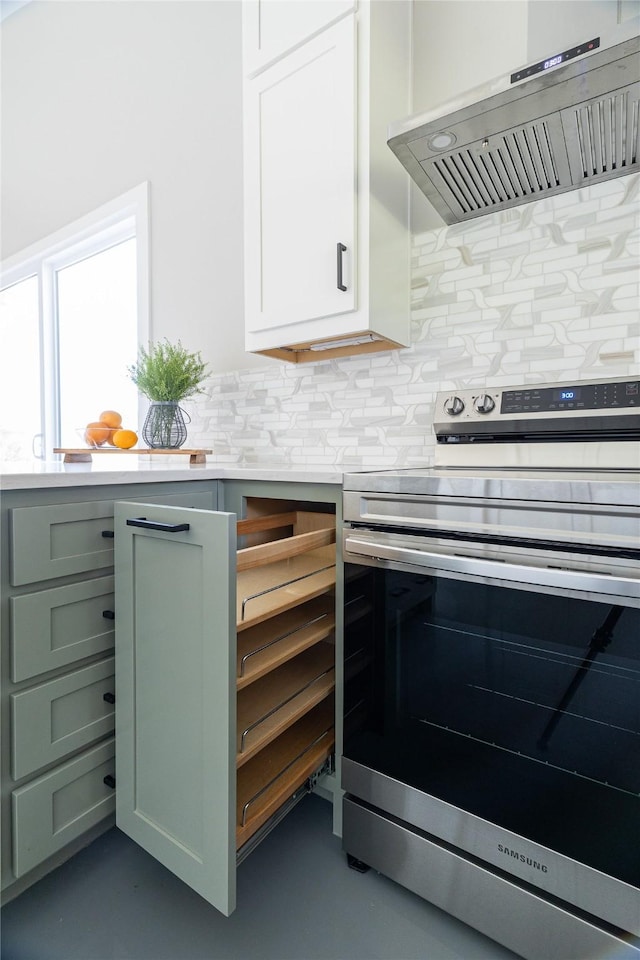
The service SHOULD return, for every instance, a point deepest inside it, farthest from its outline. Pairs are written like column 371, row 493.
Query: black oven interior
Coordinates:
column 520, row 707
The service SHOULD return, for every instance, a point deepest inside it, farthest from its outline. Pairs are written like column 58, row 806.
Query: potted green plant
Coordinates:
column 167, row 373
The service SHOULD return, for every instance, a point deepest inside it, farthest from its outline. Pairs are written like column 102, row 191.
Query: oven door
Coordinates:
column 492, row 702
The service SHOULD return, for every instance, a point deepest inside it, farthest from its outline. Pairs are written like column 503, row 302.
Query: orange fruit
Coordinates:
column 110, row 438
column 96, row 433
column 124, row 439
column 112, row 418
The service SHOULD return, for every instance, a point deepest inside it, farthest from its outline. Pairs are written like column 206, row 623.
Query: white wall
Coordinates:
column 100, row 96
column 485, row 39
column 555, row 26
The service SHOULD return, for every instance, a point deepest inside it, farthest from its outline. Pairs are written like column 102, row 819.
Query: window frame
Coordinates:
column 120, row 219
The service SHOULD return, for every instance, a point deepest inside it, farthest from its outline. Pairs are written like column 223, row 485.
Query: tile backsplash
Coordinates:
column 544, row 292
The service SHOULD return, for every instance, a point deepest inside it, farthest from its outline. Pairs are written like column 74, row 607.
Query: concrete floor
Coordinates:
column 297, row 900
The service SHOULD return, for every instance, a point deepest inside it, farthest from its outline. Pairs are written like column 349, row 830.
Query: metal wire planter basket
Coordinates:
column 164, row 426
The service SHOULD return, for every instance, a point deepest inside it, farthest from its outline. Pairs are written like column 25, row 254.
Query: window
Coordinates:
column 73, row 310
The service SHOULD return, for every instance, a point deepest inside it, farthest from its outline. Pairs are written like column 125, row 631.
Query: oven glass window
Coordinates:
column 520, row 707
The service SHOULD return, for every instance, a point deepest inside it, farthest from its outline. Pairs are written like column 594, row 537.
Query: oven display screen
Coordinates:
column 569, row 394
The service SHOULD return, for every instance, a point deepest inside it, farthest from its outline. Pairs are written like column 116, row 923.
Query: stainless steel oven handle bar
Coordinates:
column 518, row 575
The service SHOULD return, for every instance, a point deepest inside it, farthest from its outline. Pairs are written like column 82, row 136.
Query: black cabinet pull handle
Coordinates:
column 109, row 781
column 341, row 249
column 109, row 697
column 107, row 534
column 108, row 614
column 156, row 525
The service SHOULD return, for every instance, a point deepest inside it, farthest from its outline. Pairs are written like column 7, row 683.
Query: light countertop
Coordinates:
column 38, row 474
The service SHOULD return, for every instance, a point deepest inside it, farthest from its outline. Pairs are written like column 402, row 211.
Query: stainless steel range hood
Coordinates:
column 541, row 131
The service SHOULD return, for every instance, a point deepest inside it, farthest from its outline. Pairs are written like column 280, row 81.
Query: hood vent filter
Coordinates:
column 513, row 167
column 607, row 132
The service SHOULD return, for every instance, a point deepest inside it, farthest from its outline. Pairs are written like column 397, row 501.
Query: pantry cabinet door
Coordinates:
column 175, row 691
column 300, row 191
column 270, row 28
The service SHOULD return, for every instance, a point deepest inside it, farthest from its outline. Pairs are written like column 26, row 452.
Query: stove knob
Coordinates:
column 453, row 406
column 484, row 404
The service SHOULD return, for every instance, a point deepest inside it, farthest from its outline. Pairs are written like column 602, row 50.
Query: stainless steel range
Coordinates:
column 492, row 668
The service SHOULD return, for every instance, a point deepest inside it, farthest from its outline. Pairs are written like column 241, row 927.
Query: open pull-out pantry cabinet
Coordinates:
column 225, row 678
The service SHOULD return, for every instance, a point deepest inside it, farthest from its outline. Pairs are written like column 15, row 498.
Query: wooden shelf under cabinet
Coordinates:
column 274, row 774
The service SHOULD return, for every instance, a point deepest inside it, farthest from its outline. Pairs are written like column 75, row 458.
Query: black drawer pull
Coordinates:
column 109, row 614
column 107, row 534
column 109, row 781
column 340, row 250
column 156, row 525
column 109, row 697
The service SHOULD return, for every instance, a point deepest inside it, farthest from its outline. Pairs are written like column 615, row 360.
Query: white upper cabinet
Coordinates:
column 300, row 119
column 272, row 28
column 326, row 202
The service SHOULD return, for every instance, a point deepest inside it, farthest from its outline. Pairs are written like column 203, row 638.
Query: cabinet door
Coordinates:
column 300, row 200
column 270, row 28
column 175, row 685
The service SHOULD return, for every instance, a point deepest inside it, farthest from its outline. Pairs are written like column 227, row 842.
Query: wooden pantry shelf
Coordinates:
column 85, row 454
column 269, row 644
column 264, row 553
column 267, row 527
column 274, row 774
column 263, row 592
column 274, row 702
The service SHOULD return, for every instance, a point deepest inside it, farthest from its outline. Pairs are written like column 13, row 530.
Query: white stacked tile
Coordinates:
column 545, row 292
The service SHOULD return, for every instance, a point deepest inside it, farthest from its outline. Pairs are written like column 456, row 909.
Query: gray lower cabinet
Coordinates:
column 225, row 673
column 57, row 668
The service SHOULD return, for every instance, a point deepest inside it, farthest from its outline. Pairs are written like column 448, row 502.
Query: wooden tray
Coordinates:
column 84, row 454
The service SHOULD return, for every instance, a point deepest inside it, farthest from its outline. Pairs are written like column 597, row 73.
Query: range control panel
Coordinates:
column 583, row 396
column 541, row 401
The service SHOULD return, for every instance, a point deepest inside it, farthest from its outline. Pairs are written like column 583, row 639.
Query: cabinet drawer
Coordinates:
column 65, row 714
column 60, row 540
column 56, row 808
column 54, row 628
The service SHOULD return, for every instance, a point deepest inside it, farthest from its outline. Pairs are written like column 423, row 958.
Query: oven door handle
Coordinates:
column 520, row 574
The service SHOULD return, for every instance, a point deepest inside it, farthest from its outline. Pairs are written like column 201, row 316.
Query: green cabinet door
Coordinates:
column 175, row 690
